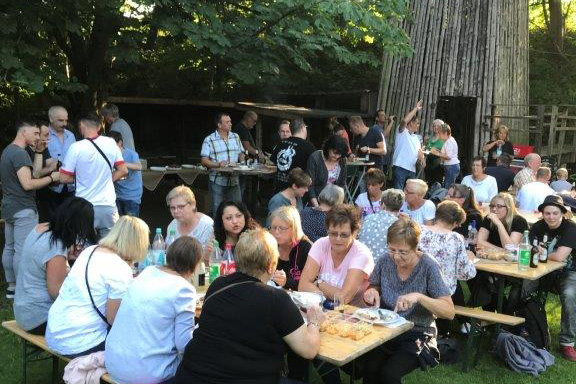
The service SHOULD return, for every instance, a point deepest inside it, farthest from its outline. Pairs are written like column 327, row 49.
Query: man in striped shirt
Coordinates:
column 220, row 149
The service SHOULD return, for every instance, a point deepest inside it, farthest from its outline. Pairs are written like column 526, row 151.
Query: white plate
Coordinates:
column 158, row 169
column 378, row 316
column 173, row 168
column 306, row 299
column 189, row 166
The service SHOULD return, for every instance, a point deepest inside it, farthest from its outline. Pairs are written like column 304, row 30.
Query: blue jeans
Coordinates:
column 567, row 285
column 16, row 229
column 451, row 172
column 401, row 175
column 220, row 193
column 128, row 207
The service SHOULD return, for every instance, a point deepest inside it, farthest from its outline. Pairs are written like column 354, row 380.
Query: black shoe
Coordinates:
column 9, row 293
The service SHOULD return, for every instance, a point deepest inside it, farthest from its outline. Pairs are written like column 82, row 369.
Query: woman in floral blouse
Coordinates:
column 449, row 249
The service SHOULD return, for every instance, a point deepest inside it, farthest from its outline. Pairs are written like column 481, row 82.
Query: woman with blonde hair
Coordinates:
column 90, row 296
column 187, row 220
column 293, row 246
column 498, row 146
column 502, row 225
column 247, row 326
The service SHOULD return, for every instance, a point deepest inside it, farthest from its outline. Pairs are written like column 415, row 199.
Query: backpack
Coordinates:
column 521, row 355
column 536, row 324
column 449, row 349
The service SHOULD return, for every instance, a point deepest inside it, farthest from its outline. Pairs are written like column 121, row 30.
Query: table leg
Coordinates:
column 55, row 371
column 352, row 371
column 500, row 302
column 360, row 180
column 24, row 360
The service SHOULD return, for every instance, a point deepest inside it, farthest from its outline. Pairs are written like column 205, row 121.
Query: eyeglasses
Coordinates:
column 401, row 252
column 278, row 228
column 454, row 196
column 336, row 235
column 178, row 207
column 497, row 206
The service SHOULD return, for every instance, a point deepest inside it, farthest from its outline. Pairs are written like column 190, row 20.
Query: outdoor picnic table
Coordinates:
column 151, row 178
column 355, row 181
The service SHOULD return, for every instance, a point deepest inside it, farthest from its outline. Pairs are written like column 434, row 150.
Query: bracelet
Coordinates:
column 51, row 179
column 314, row 323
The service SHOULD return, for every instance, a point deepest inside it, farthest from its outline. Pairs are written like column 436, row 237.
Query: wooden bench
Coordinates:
column 479, row 320
column 33, row 346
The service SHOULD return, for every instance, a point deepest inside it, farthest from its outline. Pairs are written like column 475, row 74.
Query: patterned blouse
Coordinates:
column 449, row 249
column 334, row 174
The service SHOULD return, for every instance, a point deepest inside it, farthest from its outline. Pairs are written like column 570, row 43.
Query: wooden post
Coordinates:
column 562, row 136
column 552, row 130
column 539, row 128
column 259, row 133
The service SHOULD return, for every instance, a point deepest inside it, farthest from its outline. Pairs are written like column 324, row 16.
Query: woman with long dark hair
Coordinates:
column 464, row 196
column 44, row 263
column 232, row 218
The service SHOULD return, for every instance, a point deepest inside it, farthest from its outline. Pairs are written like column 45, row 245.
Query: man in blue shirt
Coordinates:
column 129, row 189
column 59, row 140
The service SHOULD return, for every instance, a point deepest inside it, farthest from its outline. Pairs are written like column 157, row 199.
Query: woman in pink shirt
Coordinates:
column 338, row 265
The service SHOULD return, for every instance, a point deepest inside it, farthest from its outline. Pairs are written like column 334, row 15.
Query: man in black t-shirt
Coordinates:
column 368, row 141
column 502, row 173
column 561, row 245
column 291, row 153
column 42, row 165
column 243, row 130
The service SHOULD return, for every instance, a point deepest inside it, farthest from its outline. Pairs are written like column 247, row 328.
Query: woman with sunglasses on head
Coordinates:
column 410, row 283
column 502, row 225
column 232, row 219
column 464, row 196
column 338, row 265
column 293, row 246
column 187, row 220
column 327, row 166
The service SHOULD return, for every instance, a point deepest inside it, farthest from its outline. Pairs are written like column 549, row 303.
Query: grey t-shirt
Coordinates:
column 14, row 197
column 32, row 300
column 123, row 128
column 425, row 278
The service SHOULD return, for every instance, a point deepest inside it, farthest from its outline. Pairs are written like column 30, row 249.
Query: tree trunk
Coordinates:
column 556, row 26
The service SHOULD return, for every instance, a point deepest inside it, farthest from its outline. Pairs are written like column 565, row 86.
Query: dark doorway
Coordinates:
column 460, row 114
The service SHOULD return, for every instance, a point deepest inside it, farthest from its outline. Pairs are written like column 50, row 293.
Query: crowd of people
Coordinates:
column 70, row 248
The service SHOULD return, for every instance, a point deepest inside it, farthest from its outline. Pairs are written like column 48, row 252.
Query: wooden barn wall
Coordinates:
column 473, row 48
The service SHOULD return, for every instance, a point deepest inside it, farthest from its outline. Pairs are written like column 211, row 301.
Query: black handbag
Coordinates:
column 104, row 319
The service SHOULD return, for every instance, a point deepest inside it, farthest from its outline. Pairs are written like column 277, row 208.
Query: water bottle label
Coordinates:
column 524, row 257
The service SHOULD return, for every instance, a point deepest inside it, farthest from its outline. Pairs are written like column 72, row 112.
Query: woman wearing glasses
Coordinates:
column 187, row 220
column 338, row 265
column 502, row 225
column 293, row 246
column 464, row 196
column 410, row 283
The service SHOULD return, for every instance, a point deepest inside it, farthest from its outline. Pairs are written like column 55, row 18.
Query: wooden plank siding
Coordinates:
column 469, row 48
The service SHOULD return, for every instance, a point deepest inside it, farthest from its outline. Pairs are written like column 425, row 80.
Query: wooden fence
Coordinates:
column 551, row 129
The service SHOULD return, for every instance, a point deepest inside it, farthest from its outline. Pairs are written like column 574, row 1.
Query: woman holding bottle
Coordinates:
column 498, row 146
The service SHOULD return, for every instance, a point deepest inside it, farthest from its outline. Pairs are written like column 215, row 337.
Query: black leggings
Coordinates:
column 383, row 367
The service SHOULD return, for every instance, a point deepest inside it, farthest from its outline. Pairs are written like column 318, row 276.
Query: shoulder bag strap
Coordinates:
column 225, row 288
column 102, row 153
column 90, row 293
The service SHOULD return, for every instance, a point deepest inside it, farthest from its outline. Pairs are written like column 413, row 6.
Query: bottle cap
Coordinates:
column 158, row 230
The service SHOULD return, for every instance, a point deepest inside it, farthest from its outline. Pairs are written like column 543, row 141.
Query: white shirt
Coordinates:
column 74, row 326
column 92, row 172
column 368, row 207
column 531, row 195
column 450, row 148
column 425, row 213
column 484, row 190
column 406, row 150
column 203, row 232
column 151, row 329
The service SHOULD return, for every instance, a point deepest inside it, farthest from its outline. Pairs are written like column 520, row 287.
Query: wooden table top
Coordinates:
column 342, row 350
column 360, row 163
column 511, row 269
column 261, row 170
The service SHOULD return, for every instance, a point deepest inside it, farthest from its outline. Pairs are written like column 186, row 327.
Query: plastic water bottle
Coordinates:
column 472, row 236
column 159, row 248
column 215, row 261
column 171, row 238
column 228, row 265
column 524, row 253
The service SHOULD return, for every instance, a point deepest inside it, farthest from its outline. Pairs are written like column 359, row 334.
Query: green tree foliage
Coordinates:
column 82, row 48
column 553, row 51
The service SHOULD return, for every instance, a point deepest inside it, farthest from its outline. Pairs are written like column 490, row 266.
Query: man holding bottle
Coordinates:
column 560, row 246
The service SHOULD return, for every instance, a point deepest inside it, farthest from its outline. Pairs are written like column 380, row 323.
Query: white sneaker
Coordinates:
column 10, row 293
column 465, row 328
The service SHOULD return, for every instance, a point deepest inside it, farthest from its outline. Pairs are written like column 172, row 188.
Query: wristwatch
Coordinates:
column 318, row 281
column 314, row 323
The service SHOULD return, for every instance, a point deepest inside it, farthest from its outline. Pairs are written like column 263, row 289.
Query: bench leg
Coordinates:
column 55, row 371
column 24, row 360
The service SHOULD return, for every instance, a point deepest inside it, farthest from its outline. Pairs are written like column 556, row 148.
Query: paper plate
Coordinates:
column 158, row 169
